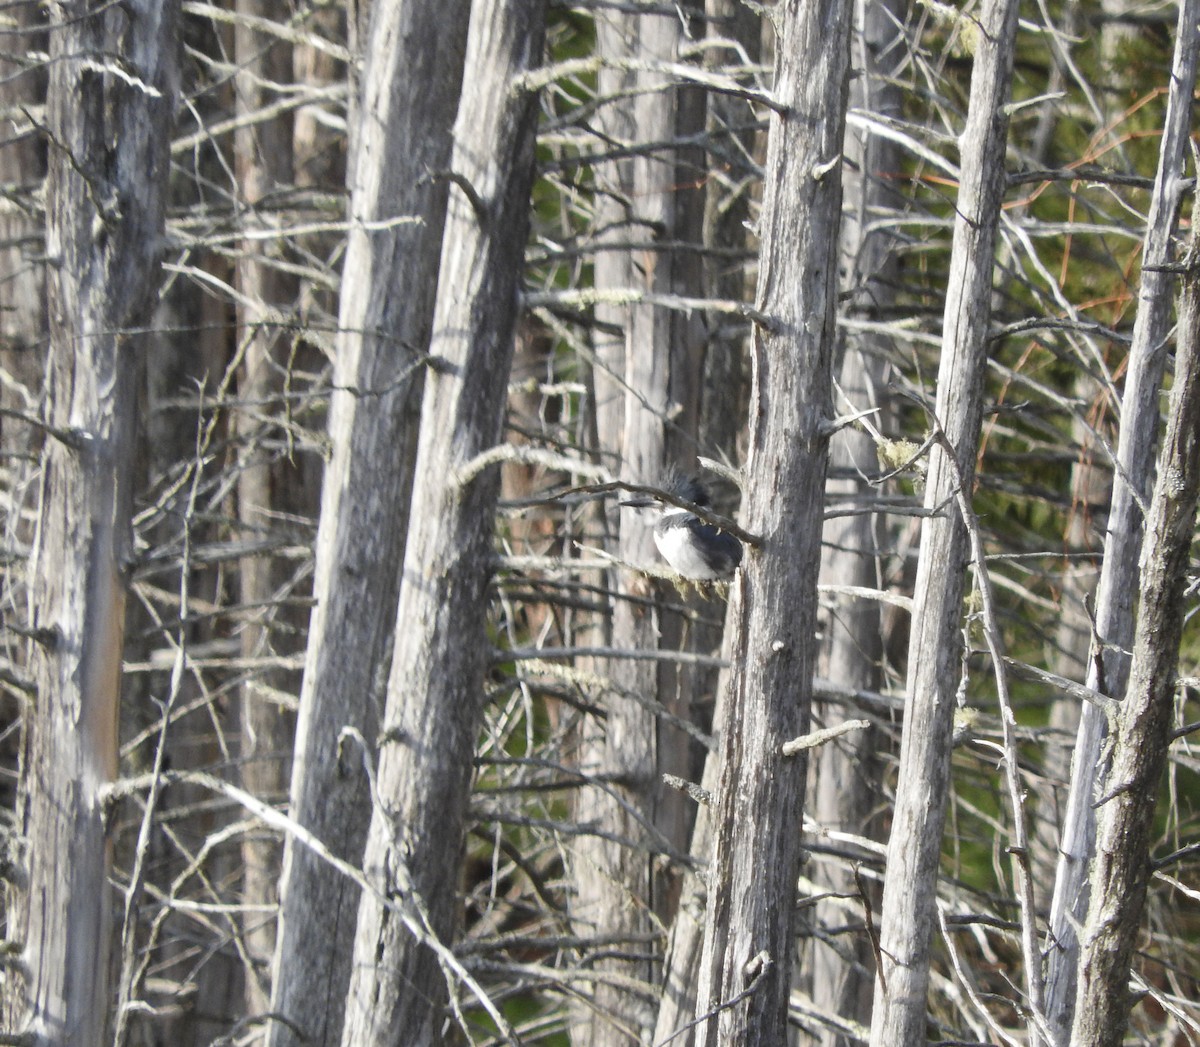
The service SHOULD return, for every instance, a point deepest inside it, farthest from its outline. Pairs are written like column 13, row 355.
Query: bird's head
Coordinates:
column 673, row 483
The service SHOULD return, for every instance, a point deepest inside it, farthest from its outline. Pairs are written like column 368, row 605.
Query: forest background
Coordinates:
column 342, row 702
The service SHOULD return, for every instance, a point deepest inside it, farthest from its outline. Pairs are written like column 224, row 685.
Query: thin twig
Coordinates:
column 827, row 734
column 522, row 654
column 698, row 793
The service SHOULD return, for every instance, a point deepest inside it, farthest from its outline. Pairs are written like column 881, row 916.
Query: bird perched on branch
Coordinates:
column 698, row 551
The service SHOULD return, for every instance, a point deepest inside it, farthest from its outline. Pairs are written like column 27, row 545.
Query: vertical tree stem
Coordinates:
column 914, row 850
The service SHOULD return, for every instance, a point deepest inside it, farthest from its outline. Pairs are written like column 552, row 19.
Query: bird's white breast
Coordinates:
column 675, row 545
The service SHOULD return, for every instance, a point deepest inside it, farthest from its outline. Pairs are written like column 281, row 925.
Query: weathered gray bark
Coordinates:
column 677, row 1007
column 908, row 913
column 431, row 719
column 1108, row 668
column 845, row 772
column 748, row 942
column 1142, row 732
column 639, row 377
column 262, row 155
column 685, row 691
column 731, row 138
column 410, row 90
column 108, row 167
column 600, row 890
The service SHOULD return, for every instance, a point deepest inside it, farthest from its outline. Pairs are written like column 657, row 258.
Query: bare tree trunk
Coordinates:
column 414, row 847
column 846, row 770
column 604, row 902
column 414, row 62
column 1108, row 669
column 1142, row 730
column 640, row 371
column 685, row 691
column 746, row 964
column 263, row 153
column 677, row 1007
column 731, row 136
column 109, row 128
column 731, row 139
column 934, row 654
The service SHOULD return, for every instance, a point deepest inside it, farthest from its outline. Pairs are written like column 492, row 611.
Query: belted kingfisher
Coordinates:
column 698, row 551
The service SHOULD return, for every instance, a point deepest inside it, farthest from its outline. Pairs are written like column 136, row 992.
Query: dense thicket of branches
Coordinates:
column 706, row 247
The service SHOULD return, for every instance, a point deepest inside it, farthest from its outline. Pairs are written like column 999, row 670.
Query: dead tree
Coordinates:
column 734, row 33
column 641, row 371
column 427, row 736
column 263, row 164
column 1142, row 728
column 934, row 655
column 399, row 154
column 845, row 771
column 746, row 961
column 113, row 81
column 1108, row 665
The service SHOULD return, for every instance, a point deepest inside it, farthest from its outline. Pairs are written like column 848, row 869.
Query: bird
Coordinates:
column 698, row 551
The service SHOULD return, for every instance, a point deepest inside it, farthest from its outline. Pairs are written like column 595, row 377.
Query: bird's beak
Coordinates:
column 641, row 502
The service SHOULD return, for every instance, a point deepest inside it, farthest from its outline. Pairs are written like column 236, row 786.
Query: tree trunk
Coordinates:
column 732, row 133
column 263, row 153
column 640, row 351
column 598, row 904
column 105, row 198
column 846, row 770
column 1142, row 731
column 934, row 654
column 746, row 964
column 1108, row 669
column 414, row 847
column 414, row 62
